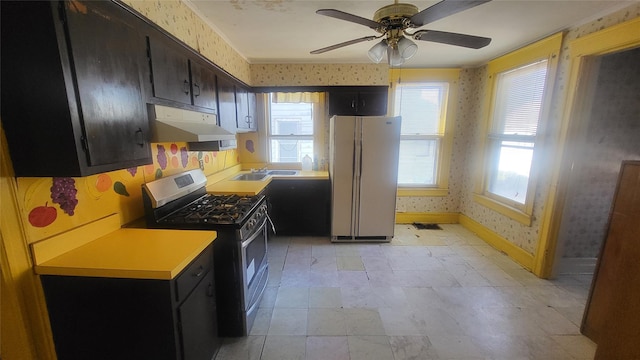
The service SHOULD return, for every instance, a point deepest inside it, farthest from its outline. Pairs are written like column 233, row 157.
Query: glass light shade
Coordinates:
column 394, row 56
column 376, row 53
column 407, row 48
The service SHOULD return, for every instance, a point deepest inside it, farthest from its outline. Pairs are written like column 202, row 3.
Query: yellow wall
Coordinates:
column 29, row 215
column 104, row 194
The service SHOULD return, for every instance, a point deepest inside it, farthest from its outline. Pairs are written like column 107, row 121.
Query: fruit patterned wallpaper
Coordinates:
column 53, row 205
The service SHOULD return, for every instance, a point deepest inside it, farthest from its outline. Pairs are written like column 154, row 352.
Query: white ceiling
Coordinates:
column 285, row 31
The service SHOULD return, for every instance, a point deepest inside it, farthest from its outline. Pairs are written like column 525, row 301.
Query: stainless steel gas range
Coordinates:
column 240, row 251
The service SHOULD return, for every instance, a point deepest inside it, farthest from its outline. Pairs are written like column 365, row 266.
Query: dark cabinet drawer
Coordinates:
column 191, row 276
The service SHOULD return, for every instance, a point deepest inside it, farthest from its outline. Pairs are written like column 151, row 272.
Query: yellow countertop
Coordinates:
column 227, row 186
column 131, row 253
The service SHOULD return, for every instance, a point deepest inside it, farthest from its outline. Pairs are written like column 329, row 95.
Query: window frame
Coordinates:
column 546, row 49
column 443, row 165
column 316, row 137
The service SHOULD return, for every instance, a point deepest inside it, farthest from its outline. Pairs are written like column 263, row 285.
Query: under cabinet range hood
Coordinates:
column 199, row 129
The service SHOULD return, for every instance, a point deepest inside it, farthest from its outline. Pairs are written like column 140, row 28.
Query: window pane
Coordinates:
column 511, row 178
column 420, row 106
column 290, row 150
column 519, row 95
column 417, row 164
column 291, row 119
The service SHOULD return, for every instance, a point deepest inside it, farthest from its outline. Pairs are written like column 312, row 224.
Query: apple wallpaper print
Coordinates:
column 55, row 205
column 41, row 216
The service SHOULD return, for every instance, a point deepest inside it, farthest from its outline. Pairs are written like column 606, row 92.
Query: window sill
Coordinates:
column 508, row 211
column 435, row 192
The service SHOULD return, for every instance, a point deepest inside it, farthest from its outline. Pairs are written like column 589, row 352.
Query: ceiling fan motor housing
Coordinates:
column 395, row 14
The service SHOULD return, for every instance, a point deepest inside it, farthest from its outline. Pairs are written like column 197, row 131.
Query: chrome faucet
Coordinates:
column 261, row 170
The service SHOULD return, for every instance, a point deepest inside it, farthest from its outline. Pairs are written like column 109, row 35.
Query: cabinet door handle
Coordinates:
column 140, row 137
column 248, row 119
column 185, row 87
column 200, row 271
column 363, row 104
column 196, row 86
column 210, row 290
column 353, row 104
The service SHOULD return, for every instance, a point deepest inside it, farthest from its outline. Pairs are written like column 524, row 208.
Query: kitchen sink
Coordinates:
column 250, row 177
column 283, row 172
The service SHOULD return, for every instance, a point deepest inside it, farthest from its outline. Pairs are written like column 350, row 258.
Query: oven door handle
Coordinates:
column 273, row 227
column 255, row 234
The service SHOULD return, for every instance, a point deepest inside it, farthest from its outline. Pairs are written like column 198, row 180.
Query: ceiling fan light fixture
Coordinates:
column 377, row 52
column 407, row 48
column 394, row 57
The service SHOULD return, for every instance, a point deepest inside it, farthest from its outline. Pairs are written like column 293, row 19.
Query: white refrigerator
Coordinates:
column 363, row 169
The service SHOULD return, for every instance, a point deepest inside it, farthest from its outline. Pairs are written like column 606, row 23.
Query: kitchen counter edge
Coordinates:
column 131, row 253
column 228, row 186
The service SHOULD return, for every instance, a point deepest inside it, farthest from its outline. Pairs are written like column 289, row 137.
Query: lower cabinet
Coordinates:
column 115, row 318
column 300, row 207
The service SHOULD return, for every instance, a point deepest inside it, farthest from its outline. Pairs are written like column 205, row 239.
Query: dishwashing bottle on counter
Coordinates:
column 307, row 163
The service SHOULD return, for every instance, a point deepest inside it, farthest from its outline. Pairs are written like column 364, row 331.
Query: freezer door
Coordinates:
column 342, row 144
column 380, row 146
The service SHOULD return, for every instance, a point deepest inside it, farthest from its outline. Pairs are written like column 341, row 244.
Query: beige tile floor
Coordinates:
column 429, row 294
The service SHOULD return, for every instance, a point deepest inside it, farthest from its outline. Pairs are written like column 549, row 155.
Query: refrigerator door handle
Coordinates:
column 360, row 157
column 354, row 187
column 353, row 154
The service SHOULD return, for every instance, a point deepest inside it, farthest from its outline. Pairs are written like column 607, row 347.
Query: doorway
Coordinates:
column 604, row 133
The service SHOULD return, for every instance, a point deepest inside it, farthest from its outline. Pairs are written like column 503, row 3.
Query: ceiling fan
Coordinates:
column 392, row 22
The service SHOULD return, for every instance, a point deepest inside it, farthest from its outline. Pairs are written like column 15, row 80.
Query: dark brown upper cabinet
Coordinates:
column 227, row 104
column 203, row 83
column 72, row 88
column 178, row 76
column 361, row 101
column 169, row 70
column 245, row 110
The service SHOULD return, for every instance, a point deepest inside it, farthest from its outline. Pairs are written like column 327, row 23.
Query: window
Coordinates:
column 520, row 84
column 421, row 98
column 421, row 106
column 291, row 126
column 518, row 102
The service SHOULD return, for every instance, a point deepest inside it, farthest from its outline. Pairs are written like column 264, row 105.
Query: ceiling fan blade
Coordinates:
column 469, row 41
column 346, row 43
column 443, row 9
column 348, row 17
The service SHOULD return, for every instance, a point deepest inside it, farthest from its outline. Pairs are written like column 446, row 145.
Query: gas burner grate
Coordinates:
column 214, row 209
